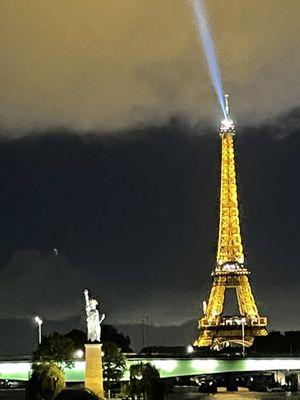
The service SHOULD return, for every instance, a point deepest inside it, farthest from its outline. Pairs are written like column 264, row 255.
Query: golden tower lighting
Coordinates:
column 216, row 330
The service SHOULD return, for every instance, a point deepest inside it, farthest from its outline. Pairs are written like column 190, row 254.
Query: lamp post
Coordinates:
column 243, row 321
column 39, row 322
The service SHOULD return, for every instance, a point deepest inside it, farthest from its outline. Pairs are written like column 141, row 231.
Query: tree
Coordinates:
column 46, row 381
column 153, row 385
column 110, row 334
column 114, row 364
column 145, row 380
column 78, row 337
column 136, row 387
column 55, row 348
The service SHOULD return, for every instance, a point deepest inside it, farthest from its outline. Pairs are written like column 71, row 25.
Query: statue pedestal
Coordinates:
column 94, row 369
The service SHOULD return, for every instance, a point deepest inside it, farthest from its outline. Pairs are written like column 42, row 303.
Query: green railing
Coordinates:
column 168, row 367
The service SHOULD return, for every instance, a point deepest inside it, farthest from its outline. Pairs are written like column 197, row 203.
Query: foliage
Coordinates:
column 276, row 343
column 78, row 337
column 55, row 348
column 145, row 380
column 114, row 364
column 46, row 381
column 151, row 379
column 136, row 376
column 110, row 334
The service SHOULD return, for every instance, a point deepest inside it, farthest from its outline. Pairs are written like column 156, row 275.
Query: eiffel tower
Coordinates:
column 217, row 330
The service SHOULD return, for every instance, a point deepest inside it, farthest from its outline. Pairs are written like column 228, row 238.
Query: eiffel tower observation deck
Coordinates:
column 217, row 330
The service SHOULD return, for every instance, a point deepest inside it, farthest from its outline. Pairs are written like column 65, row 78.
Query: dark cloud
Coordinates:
column 136, row 218
column 33, row 284
column 118, row 64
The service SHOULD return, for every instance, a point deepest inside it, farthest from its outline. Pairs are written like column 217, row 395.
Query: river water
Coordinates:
column 188, row 394
column 192, row 394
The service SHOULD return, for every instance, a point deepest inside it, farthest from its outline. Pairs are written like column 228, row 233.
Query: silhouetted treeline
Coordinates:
column 285, row 344
column 108, row 334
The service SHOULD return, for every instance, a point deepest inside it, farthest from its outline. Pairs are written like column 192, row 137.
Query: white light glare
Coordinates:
column 165, row 365
column 79, row 353
column 38, row 320
column 226, row 125
column 206, row 365
column 190, row 349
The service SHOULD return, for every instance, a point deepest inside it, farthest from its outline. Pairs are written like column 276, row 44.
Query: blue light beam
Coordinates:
column 201, row 20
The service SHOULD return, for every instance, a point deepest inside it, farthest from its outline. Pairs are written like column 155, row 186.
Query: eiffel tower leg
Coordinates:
column 216, row 298
column 213, row 312
column 248, row 308
column 245, row 297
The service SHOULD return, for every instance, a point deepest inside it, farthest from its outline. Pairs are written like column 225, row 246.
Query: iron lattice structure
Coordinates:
column 217, row 330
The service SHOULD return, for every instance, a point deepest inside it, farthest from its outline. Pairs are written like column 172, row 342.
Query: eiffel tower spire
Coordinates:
column 217, row 330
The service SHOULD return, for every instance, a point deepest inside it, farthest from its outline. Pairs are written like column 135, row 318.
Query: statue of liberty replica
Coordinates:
column 93, row 319
column 93, row 350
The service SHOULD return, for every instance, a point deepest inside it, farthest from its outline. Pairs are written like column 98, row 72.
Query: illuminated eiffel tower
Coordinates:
column 217, row 330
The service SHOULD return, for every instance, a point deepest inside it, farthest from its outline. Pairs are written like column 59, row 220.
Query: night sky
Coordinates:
column 110, row 152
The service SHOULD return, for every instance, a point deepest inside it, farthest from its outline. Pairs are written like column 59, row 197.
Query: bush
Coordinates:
column 114, row 364
column 55, row 348
column 46, row 381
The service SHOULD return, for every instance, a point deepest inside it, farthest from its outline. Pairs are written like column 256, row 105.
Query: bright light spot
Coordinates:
column 204, row 364
column 78, row 353
column 166, row 365
column 79, row 365
column 261, row 365
column 272, row 364
column 38, row 320
column 204, row 306
column 230, row 266
column 227, row 125
column 190, row 349
column 13, row 368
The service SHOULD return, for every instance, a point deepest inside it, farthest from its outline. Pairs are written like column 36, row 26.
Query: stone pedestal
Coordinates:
column 94, row 369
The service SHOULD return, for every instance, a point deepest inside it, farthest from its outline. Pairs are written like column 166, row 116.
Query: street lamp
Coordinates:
column 39, row 321
column 79, row 353
column 190, row 349
column 243, row 321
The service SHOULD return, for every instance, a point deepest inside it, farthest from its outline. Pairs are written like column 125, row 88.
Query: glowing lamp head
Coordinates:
column 190, row 349
column 38, row 320
column 79, row 353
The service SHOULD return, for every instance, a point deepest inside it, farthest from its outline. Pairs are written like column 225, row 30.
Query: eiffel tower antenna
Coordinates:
column 217, row 330
column 227, row 105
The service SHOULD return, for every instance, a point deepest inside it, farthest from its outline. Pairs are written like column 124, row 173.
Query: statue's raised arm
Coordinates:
column 87, row 299
column 92, row 318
